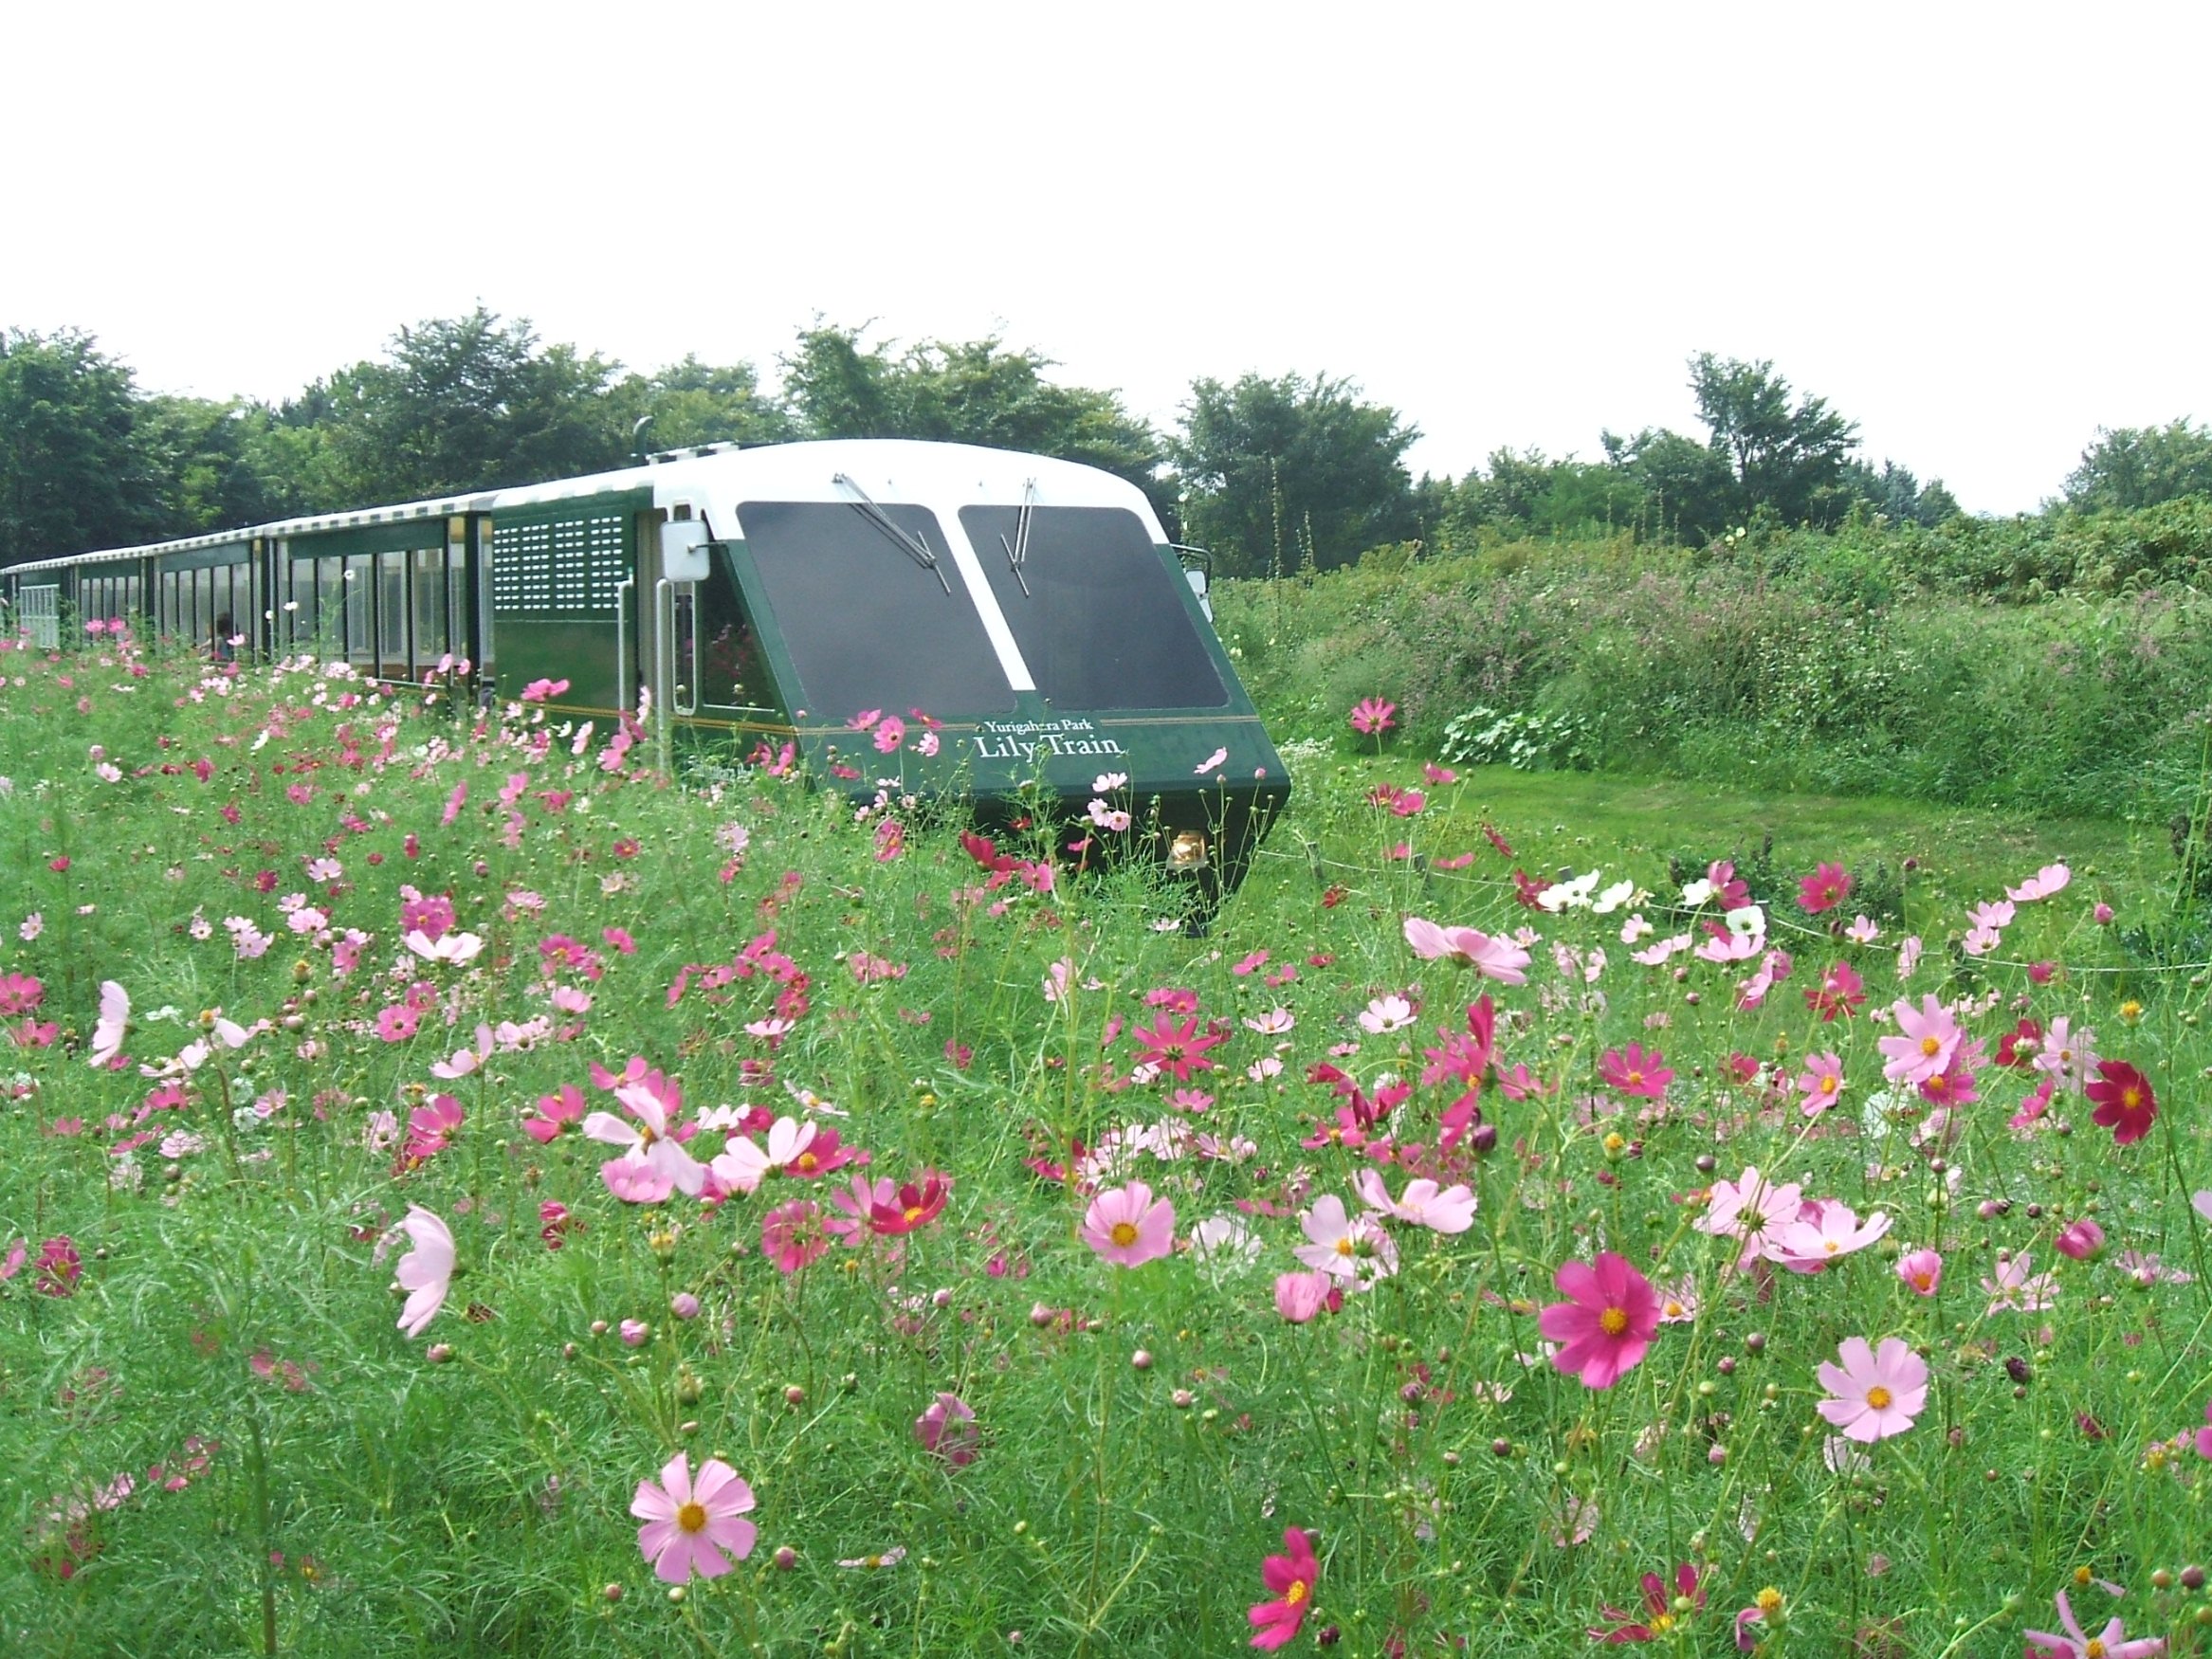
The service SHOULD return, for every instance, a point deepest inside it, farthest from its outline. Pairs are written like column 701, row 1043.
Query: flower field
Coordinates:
column 467, row 1191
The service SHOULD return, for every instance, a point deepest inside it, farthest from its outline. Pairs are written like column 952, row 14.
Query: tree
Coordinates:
column 73, row 471
column 1283, row 470
column 467, row 403
column 1689, row 490
column 971, row 392
column 693, row 403
column 1787, row 459
column 2140, row 467
column 1898, row 496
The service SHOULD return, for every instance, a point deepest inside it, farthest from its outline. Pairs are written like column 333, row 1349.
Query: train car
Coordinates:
column 1030, row 614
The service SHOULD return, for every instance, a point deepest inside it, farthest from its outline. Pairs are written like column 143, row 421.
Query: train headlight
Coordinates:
column 1187, row 851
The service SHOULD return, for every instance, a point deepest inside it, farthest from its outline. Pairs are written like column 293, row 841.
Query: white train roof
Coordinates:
column 712, row 480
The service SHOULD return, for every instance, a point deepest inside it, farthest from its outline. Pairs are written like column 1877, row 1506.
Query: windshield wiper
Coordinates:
column 908, row 542
column 1017, row 550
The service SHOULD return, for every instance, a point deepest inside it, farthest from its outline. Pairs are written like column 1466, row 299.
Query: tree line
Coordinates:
column 1275, row 475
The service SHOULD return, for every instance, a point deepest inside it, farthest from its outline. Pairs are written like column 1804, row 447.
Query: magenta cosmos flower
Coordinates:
column 1875, row 1392
column 1291, row 1578
column 1128, row 1227
column 949, row 1429
column 1372, row 717
column 688, row 1528
column 1607, row 1322
column 1825, row 888
column 424, row 1272
column 1636, row 1070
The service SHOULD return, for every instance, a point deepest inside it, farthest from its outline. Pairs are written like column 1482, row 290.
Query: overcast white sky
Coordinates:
column 1979, row 231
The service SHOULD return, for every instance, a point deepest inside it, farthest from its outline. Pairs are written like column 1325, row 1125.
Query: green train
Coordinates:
column 906, row 618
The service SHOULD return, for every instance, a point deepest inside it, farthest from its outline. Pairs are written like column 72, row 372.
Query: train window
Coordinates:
column 866, row 624
column 732, row 672
column 430, row 608
column 457, row 598
column 303, row 597
column 360, row 606
column 392, row 619
column 1100, row 615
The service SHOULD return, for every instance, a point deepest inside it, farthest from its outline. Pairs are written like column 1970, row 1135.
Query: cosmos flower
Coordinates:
column 1290, row 1579
column 690, row 1528
column 1875, row 1392
column 424, row 1272
column 1125, row 1227
column 1608, row 1322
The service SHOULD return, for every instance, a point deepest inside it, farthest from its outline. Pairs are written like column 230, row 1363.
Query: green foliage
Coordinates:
column 693, row 403
column 2142, row 466
column 1292, row 473
column 73, row 473
column 1527, row 742
column 969, row 392
column 1787, row 459
column 467, row 403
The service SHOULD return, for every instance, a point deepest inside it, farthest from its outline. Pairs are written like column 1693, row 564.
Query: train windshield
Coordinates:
column 1101, row 614
column 866, row 624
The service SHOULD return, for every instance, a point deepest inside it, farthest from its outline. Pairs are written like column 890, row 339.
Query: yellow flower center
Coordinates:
column 1769, row 1599
column 1613, row 1321
column 1296, row 1593
column 1878, row 1397
column 1635, row 1080
column 1828, row 1085
column 2095, row 1648
column 691, row 1517
column 2131, row 1098
column 1344, row 1245
column 913, row 1213
column 1930, row 1048
column 1123, row 1234
column 1662, row 1623
column 805, row 1162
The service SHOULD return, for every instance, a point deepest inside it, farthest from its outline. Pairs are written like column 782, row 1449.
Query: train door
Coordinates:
column 672, row 561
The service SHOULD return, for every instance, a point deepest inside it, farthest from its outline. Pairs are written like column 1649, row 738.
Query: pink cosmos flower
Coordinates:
column 1833, row 1230
column 1608, row 1322
column 1290, row 1579
column 1873, row 1393
column 2018, row 1289
column 1820, row 1083
column 424, row 1272
column 2205, row 1435
column 688, row 1528
column 1825, row 888
column 949, row 1429
column 2075, row 1644
column 1751, row 1211
column 1451, row 1209
column 2082, row 1241
column 1925, row 1040
column 2067, row 1055
column 115, row 1019
column 744, row 1164
column 2051, row 879
column 1922, row 1269
column 1353, row 1249
column 1497, row 959
column 793, row 1235
column 648, row 1139
column 1635, row 1071
column 1372, row 717
column 1300, row 1296
column 1126, row 1226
